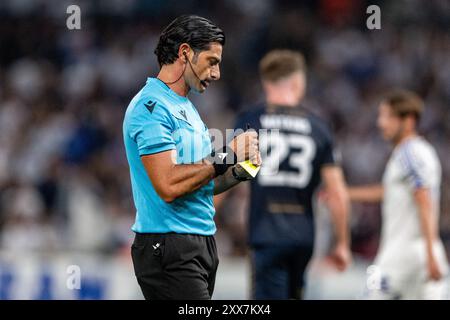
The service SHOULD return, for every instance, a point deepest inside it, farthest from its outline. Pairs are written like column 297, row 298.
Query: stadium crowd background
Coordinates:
column 64, row 182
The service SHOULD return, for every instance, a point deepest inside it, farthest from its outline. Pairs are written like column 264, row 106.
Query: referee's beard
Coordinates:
column 195, row 82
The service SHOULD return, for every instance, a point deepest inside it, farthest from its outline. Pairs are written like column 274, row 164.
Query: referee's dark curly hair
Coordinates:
column 196, row 31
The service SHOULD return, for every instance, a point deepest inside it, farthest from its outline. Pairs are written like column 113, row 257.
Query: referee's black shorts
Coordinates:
column 175, row 266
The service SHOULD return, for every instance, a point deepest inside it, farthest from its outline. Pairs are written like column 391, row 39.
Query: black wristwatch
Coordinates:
column 237, row 177
column 222, row 159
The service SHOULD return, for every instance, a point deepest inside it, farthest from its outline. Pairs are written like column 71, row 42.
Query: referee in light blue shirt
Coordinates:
column 174, row 171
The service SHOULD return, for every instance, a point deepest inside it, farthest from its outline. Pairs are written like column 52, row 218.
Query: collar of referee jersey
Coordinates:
column 166, row 88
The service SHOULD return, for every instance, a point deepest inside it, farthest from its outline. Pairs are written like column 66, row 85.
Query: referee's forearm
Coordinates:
column 224, row 182
column 187, row 178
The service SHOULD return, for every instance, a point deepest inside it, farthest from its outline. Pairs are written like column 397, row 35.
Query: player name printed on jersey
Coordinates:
column 286, row 122
column 292, row 133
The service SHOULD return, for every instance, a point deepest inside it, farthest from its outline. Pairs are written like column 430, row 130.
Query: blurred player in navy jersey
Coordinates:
column 295, row 162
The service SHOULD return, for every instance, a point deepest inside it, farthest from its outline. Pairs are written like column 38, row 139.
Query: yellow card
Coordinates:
column 250, row 167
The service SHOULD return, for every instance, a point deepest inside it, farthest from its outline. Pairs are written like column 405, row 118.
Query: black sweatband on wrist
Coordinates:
column 222, row 159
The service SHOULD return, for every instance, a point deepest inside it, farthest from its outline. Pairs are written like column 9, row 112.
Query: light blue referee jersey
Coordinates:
column 156, row 120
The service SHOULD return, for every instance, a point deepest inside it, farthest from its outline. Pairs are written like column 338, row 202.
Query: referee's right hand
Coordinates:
column 245, row 145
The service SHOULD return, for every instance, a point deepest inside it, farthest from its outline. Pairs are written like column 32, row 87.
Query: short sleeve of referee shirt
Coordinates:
column 151, row 127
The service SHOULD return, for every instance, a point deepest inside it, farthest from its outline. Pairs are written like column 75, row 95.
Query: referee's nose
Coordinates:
column 215, row 72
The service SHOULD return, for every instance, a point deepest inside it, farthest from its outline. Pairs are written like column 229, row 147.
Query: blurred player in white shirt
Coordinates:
column 411, row 262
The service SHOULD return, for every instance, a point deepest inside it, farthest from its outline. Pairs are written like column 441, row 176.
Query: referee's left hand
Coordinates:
column 256, row 160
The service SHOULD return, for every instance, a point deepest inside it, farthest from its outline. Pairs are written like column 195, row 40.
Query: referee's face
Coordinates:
column 206, row 66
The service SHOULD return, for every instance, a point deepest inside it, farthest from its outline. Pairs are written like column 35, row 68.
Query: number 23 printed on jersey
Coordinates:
column 299, row 150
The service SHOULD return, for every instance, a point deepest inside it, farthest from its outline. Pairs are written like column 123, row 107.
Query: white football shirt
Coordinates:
column 413, row 164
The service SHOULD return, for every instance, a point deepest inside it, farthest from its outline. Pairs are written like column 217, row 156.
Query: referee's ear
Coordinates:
column 183, row 52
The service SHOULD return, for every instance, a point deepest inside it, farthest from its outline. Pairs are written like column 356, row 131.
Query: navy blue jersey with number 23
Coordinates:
column 281, row 209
